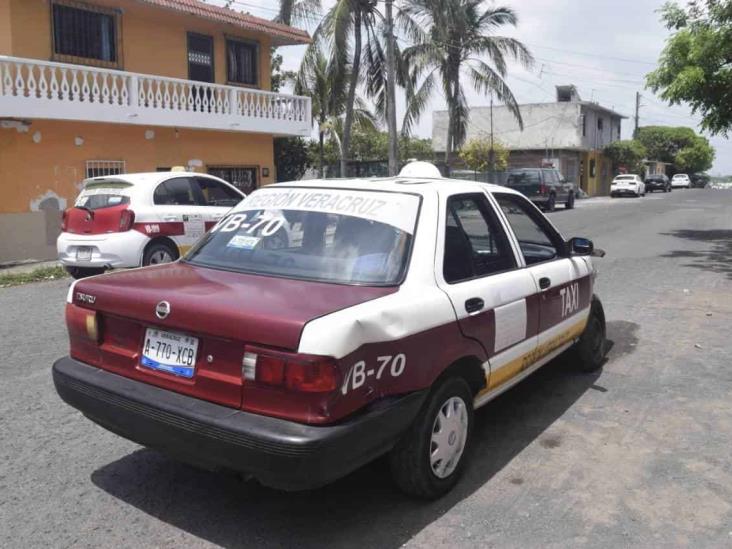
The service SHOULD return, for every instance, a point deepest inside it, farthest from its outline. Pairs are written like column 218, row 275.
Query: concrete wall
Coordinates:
column 154, row 40
column 546, row 126
column 41, row 169
column 594, row 137
column 6, row 42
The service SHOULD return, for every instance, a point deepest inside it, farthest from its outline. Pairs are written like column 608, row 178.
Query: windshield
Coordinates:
column 342, row 236
column 96, row 197
column 625, row 178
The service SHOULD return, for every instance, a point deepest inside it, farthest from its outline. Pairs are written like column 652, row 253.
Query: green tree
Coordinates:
column 696, row 158
column 696, row 64
column 476, row 154
column 343, row 29
column 629, row 153
column 291, row 158
column 455, row 39
column 324, row 82
column 680, row 146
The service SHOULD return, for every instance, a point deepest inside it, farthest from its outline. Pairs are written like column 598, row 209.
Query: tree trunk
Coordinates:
column 355, row 68
column 391, row 92
column 321, row 150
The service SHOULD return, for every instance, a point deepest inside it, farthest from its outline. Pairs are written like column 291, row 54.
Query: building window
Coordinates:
column 241, row 62
column 101, row 168
column 85, row 34
column 243, row 178
column 584, row 125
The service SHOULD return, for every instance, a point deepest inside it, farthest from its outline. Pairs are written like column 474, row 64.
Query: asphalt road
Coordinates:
column 636, row 454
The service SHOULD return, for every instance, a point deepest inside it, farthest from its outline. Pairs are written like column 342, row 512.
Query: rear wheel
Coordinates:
column 428, row 460
column 83, row 272
column 570, row 202
column 158, row 253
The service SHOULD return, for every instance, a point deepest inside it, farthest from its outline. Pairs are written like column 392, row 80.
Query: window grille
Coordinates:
column 101, row 168
column 83, row 33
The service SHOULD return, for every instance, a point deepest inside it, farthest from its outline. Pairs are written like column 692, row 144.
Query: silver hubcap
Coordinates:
column 161, row 256
column 449, row 434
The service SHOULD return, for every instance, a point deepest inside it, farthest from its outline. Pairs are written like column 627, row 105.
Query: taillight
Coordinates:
column 542, row 188
column 126, row 220
column 291, row 371
column 82, row 322
column 65, row 221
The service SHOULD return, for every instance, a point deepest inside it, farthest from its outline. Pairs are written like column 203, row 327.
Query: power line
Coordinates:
column 597, row 55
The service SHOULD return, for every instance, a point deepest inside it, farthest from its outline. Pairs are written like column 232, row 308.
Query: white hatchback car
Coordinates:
column 627, row 184
column 139, row 219
column 681, row 181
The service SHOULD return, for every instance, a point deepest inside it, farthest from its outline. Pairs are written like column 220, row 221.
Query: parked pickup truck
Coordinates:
column 397, row 308
column 545, row 187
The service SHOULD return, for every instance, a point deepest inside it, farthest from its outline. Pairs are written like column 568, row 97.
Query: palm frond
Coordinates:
column 487, row 80
column 417, row 102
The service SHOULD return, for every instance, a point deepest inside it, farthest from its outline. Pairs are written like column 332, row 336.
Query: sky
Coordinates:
column 604, row 47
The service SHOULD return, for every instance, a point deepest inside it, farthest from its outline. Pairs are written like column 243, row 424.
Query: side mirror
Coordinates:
column 581, row 246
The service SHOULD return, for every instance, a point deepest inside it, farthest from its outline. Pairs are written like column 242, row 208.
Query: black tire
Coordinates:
column 551, row 204
column 410, row 459
column 592, row 345
column 83, row 272
column 158, row 253
column 570, row 202
column 613, row 195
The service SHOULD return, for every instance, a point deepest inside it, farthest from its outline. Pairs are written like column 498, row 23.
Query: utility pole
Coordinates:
column 637, row 109
column 492, row 152
column 391, row 91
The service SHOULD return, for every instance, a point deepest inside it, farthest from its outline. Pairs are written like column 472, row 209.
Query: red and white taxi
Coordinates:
column 396, row 308
column 140, row 219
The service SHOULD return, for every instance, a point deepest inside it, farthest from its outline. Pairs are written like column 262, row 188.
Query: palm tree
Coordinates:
column 297, row 11
column 343, row 28
column 452, row 39
column 323, row 82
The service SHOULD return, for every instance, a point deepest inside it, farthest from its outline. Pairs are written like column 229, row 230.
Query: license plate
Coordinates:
column 83, row 253
column 169, row 352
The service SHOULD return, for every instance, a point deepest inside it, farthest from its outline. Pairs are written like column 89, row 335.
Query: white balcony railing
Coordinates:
column 32, row 88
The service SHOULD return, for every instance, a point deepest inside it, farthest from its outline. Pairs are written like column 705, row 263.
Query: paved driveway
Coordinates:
column 637, row 454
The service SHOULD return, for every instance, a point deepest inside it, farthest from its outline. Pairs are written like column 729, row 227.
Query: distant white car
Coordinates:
column 141, row 219
column 627, row 185
column 681, row 181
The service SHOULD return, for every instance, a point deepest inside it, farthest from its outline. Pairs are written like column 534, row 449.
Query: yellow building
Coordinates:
column 110, row 86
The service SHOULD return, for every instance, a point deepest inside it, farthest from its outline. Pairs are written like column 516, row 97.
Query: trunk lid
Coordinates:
column 99, row 221
column 223, row 310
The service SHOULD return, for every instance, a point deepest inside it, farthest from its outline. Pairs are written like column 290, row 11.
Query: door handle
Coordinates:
column 545, row 283
column 474, row 304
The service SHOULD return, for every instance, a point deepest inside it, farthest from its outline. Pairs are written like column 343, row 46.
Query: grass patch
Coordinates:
column 36, row 275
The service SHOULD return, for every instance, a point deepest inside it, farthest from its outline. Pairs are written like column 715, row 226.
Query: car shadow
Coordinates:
column 363, row 509
column 717, row 257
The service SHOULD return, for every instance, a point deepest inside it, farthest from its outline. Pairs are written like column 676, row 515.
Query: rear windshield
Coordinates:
column 96, row 197
column 523, row 177
column 341, row 236
column 625, row 178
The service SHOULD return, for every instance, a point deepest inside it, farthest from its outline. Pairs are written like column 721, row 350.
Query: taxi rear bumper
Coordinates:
column 279, row 453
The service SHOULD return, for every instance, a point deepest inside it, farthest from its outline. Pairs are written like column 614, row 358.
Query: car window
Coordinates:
column 215, row 193
column 475, row 243
column 538, row 242
column 550, row 177
column 175, row 192
column 329, row 235
column 524, row 177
